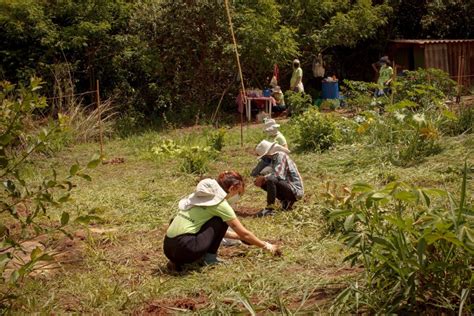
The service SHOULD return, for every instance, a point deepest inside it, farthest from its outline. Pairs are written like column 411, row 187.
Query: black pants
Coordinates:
column 188, row 248
column 278, row 189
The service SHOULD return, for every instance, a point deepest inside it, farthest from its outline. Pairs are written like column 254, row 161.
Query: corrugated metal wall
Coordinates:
column 442, row 54
column 446, row 56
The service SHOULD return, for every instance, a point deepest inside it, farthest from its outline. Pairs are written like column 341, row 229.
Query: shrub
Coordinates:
column 297, row 102
column 427, row 88
column 359, row 94
column 436, row 78
column 316, row 131
column 196, row 159
column 216, row 139
column 193, row 159
column 25, row 203
column 417, row 257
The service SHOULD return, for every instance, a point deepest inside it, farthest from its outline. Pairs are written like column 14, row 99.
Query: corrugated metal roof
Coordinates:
column 431, row 41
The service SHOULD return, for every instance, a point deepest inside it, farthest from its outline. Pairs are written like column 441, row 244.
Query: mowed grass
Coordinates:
column 116, row 265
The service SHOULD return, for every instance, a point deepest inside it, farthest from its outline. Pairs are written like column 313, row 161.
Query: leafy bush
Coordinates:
column 194, row 159
column 297, row 102
column 216, row 139
column 417, row 257
column 427, row 88
column 25, row 204
column 316, row 131
column 359, row 94
column 436, row 78
column 330, row 104
column 166, row 148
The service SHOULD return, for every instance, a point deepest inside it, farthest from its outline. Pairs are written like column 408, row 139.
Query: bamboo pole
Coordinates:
column 99, row 109
column 240, row 73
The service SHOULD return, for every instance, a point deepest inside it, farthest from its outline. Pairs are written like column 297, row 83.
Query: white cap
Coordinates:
column 208, row 192
column 270, row 125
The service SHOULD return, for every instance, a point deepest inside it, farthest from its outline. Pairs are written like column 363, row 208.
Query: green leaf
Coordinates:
column 406, row 196
column 36, row 253
column 45, row 257
column 85, row 176
column 74, row 169
column 420, row 249
column 3, row 231
column 4, row 259
column 349, row 222
column 64, row 198
column 86, row 219
column 383, row 242
column 64, row 218
column 362, row 187
column 14, row 276
column 94, row 162
column 339, row 213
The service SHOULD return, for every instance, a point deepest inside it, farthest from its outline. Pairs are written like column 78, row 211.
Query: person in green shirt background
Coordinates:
column 296, row 82
column 385, row 77
column 203, row 220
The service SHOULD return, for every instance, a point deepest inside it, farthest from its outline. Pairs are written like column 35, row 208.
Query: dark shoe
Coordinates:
column 211, row 259
column 287, row 205
column 173, row 267
column 265, row 212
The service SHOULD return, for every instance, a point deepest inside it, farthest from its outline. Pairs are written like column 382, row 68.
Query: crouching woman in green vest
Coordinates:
column 202, row 222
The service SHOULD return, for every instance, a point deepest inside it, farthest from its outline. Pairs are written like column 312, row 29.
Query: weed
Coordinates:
column 216, row 139
column 417, row 255
column 196, row 159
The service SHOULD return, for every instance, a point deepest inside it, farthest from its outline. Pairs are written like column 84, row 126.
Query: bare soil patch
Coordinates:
column 246, row 211
column 173, row 306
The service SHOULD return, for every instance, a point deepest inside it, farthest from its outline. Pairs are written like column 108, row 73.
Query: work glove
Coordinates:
column 273, row 249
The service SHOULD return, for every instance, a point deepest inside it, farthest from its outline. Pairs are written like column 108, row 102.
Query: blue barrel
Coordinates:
column 330, row 90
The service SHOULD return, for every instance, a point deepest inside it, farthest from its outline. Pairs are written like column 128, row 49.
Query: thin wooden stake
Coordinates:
column 240, row 73
column 99, row 109
column 458, row 97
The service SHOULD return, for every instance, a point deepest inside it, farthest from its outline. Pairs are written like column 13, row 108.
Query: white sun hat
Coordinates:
column 276, row 89
column 270, row 125
column 208, row 192
column 268, row 148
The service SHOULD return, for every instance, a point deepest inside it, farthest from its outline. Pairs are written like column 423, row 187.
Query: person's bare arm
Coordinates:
column 244, row 234
column 374, row 67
